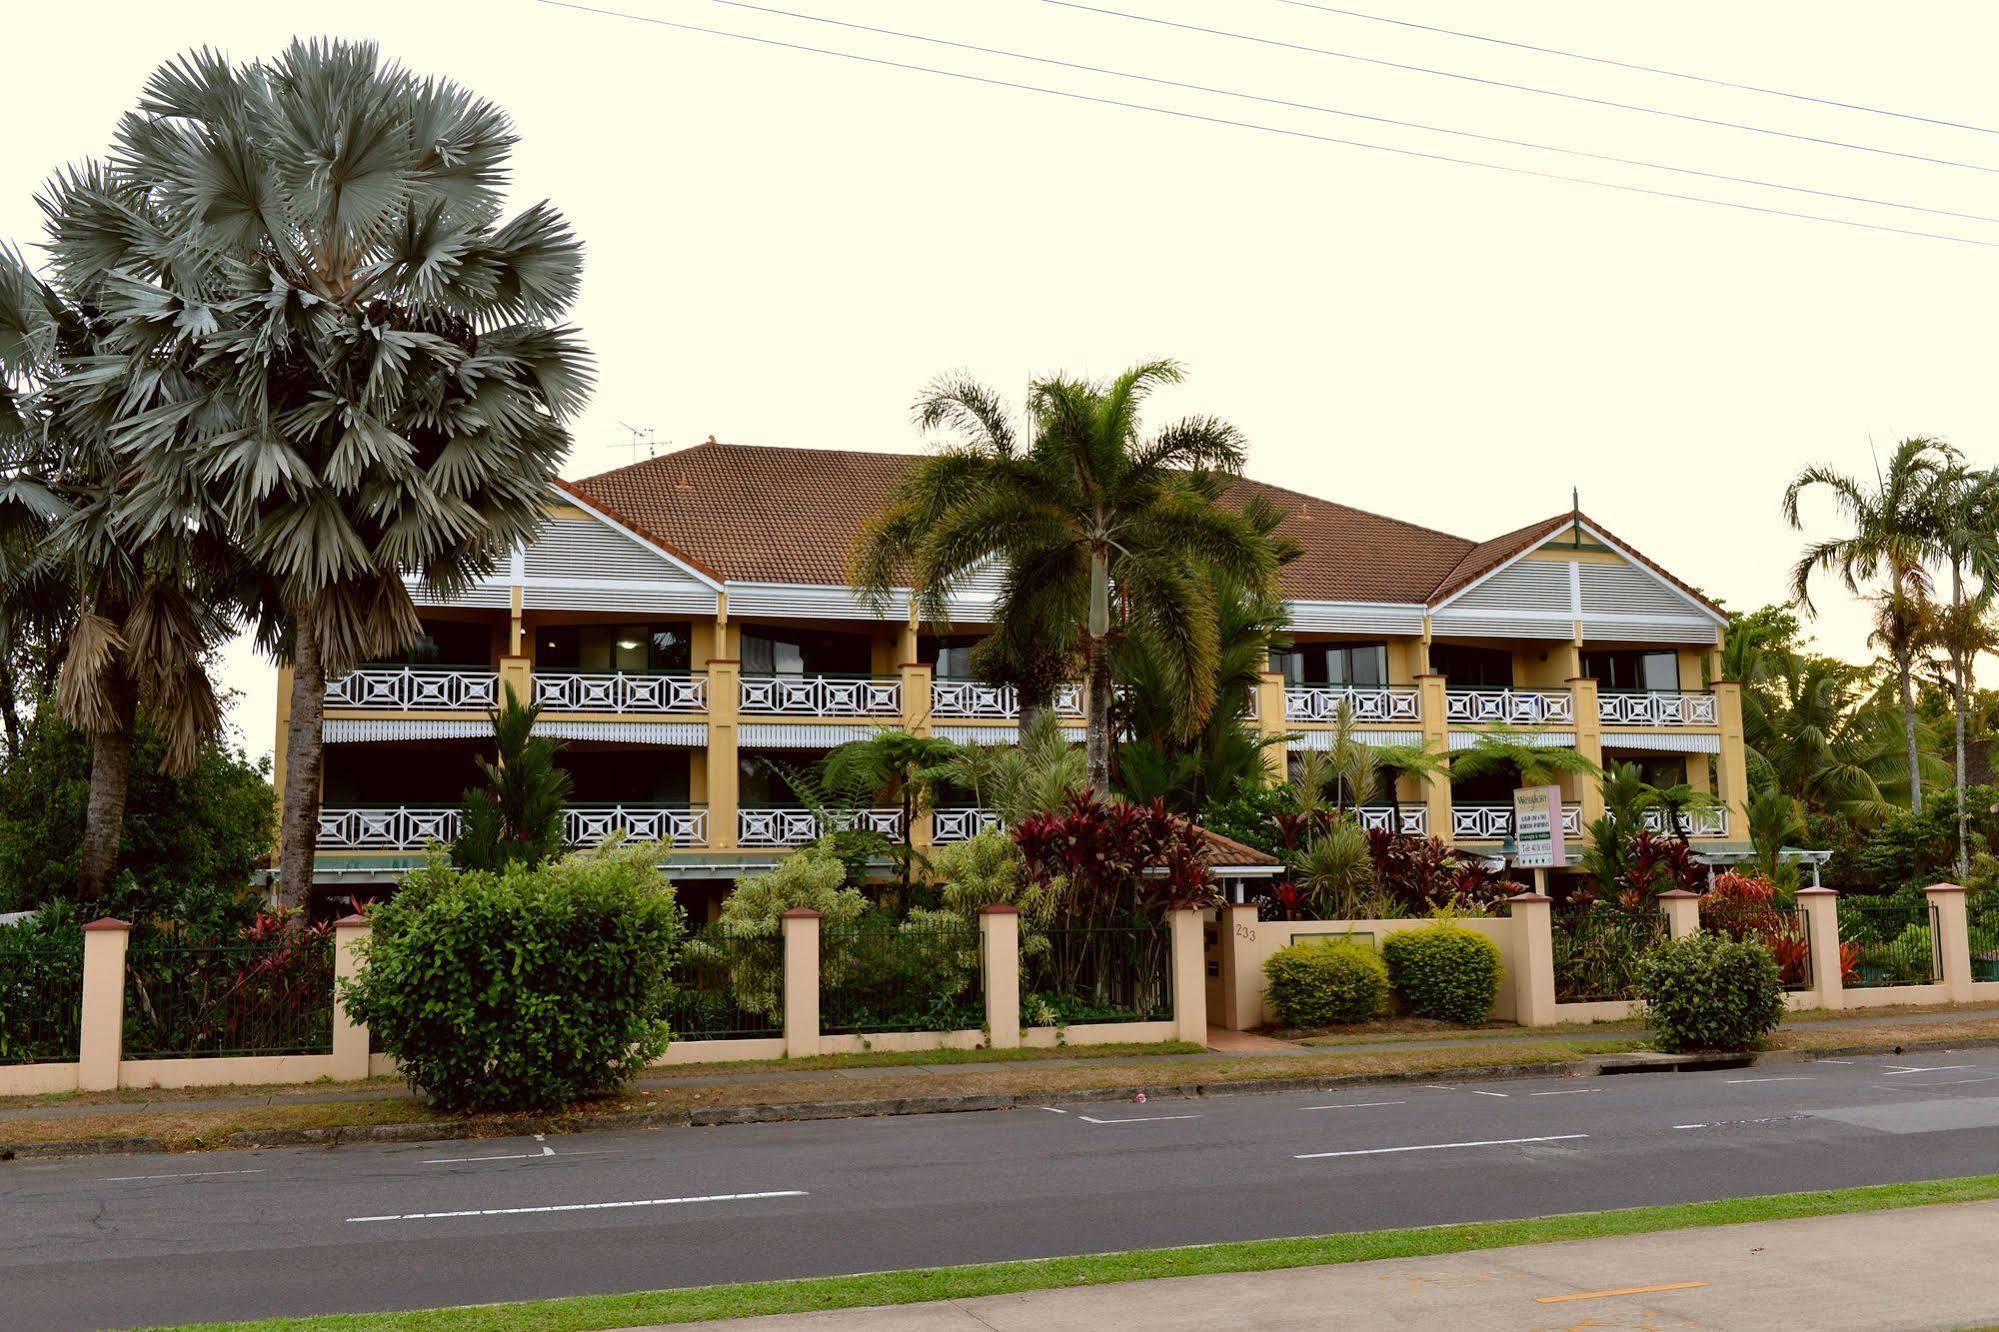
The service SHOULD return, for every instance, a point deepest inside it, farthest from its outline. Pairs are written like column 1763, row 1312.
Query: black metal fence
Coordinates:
column 207, row 1001
column 727, row 985
column 1114, row 974
column 1893, row 941
column 1780, row 929
column 41, row 1001
column 1981, row 915
column 901, row 976
column 1597, row 946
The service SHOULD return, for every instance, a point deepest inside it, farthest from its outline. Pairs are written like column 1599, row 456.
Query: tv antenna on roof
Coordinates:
column 642, row 437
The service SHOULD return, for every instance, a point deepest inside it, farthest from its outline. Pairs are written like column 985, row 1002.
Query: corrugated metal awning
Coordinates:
column 1671, row 742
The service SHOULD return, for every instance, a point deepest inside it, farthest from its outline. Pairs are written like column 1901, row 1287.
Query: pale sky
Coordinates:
column 784, row 246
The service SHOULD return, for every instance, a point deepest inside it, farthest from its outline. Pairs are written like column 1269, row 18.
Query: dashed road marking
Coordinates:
column 1895, row 1072
column 1476, row 1092
column 1738, row 1081
column 1574, row 1091
column 184, row 1174
column 1136, row 1119
column 1354, row 1105
column 511, row 1156
column 1440, row 1146
column 583, row 1207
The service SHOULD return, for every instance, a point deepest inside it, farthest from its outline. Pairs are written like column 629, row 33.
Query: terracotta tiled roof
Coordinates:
column 1217, row 850
column 755, row 513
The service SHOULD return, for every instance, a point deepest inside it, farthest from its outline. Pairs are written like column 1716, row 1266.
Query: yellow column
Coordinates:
column 1436, row 739
column 1190, row 976
column 724, row 696
column 101, row 1044
column 517, row 639
column 1733, row 768
column 1589, row 744
column 515, row 674
column 1533, row 960
column 1953, row 939
column 1821, row 908
column 1682, row 910
column 801, row 983
column 999, row 933
column 1270, row 721
column 350, row 1038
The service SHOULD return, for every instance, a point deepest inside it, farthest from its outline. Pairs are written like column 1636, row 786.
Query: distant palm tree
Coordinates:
column 1892, row 525
column 1100, row 529
column 1964, row 513
column 1962, row 632
column 380, row 388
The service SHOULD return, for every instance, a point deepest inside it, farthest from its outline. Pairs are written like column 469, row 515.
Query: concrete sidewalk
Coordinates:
column 1929, row 1267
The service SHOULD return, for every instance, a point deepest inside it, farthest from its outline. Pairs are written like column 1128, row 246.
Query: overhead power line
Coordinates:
column 1643, row 69
column 1352, row 115
column 1515, row 87
column 1201, row 118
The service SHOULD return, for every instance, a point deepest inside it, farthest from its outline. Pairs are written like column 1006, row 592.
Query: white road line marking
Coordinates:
column 1440, row 1146
column 1959, row 1082
column 1432, row 1086
column 185, row 1174
column 1737, row 1081
column 1689, row 1126
column 1476, row 1092
column 1832, row 1061
column 1936, row 1068
column 1577, row 1091
column 584, row 1207
column 1353, row 1105
column 1053, row 1111
column 514, row 1156
column 1140, row 1119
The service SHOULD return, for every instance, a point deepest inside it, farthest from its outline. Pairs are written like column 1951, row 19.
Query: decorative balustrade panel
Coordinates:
column 620, row 691
column 975, row 700
column 823, row 695
column 415, row 689
column 1322, row 703
column 1415, row 819
column 961, row 825
column 1695, row 822
column 398, row 828
column 1516, row 707
column 589, row 825
column 1658, row 709
column 1493, row 823
column 797, row 827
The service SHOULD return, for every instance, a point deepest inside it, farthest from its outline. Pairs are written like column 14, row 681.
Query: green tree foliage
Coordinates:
column 188, row 845
column 522, row 988
column 1445, row 971
column 1707, row 992
column 1325, row 983
column 1016, row 782
column 517, row 817
column 812, row 877
column 1515, row 751
column 893, row 766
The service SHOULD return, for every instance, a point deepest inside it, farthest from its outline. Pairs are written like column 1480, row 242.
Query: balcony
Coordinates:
column 1515, row 707
column 620, row 691
column 789, row 826
column 1658, row 708
column 1365, row 703
column 1379, row 818
column 412, row 828
column 960, row 825
column 972, row 700
column 876, row 696
column 1494, row 823
column 416, row 689
column 1709, row 822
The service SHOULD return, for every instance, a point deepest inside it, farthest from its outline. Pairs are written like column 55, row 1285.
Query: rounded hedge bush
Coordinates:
column 521, row 989
column 1708, row 992
column 1445, row 971
column 1323, row 983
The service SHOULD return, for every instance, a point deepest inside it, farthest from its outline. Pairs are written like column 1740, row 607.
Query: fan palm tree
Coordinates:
column 1101, row 530
column 380, row 389
column 1893, row 526
column 137, row 611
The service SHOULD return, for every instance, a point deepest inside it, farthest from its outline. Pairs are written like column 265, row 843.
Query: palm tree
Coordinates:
column 1015, row 782
column 1964, row 514
column 380, row 390
column 136, row 610
column 1516, row 749
column 1892, row 526
column 893, row 765
column 1102, row 531
column 1409, row 759
column 516, row 817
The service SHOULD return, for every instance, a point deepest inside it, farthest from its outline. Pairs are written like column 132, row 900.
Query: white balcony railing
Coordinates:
column 1415, row 819
column 680, row 825
column 1709, row 822
column 1494, row 823
column 415, row 689
column 797, row 827
column 823, row 696
column 976, row 701
column 1367, row 703
column 1517, row 707
column 1666, row 708
column 391, row 828
column 960, row 825
column 619, row 691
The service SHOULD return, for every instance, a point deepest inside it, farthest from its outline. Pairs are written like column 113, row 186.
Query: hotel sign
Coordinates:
column 1537, row 827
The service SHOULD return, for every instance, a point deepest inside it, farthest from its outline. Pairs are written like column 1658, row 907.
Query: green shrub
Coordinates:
column 1445, row 971
column 522, row 988
column 812, row 877
column 1706, row 992
column 1322, row 983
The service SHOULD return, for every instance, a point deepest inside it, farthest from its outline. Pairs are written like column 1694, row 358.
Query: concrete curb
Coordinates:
column 28, row 1151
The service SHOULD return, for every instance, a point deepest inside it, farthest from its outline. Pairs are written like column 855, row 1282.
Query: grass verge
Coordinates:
column 956, row 1283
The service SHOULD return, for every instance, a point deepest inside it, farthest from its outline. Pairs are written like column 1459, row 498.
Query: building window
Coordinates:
column 1466, row 667
column 448, row 643
column 768, row 651
column 633, row 648
column 1333, row 664
column 1632, row 671
column 948, row 658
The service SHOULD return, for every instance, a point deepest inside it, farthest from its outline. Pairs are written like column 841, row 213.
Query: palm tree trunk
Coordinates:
column 1905, row 679
column 1957, row 665
column 10, row 711
column 1097, row 736
column 110, row 779
column 298, row 829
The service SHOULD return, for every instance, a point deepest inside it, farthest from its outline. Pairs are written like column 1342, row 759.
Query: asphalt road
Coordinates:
column 160, row 1239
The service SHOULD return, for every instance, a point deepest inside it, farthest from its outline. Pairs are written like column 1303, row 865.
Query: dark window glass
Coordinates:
column 1625, row 669
column 1466, row 667
column 636, row 648
column 767, row 651
column 1333, row 663
column 948, row 658
column 448, row 643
